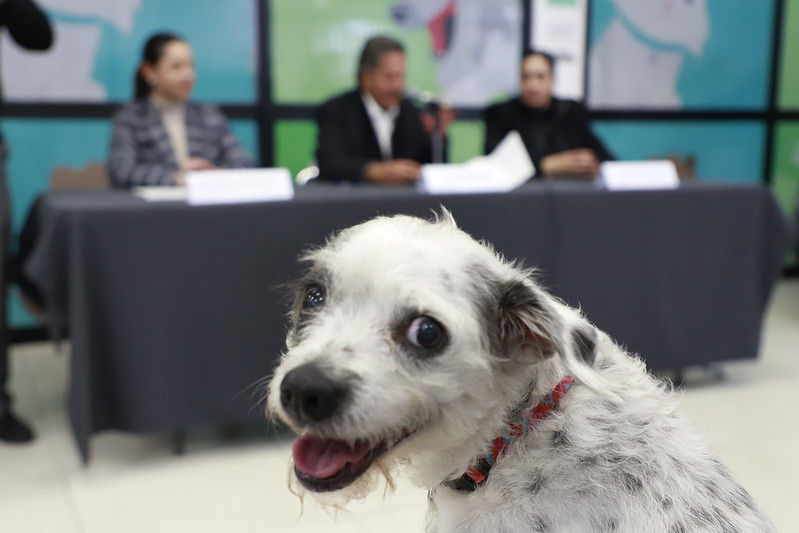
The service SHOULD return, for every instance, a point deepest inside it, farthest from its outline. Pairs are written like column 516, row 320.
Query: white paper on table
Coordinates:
column 235, row 186
column 505, row 168
column 160, row 194
column 636, row 175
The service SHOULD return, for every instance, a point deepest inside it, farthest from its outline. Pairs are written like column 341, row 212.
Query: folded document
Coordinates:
column 504, row 169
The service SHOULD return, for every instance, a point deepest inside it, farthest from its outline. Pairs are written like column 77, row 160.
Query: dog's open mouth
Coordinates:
column 325, row 465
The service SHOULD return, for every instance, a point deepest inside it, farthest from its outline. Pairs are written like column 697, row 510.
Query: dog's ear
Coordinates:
column 524, row 323
column 533, row 322
column 532, row 319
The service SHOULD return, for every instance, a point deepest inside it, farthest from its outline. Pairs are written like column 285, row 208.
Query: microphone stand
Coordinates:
column 432, row 105
column 436, row 138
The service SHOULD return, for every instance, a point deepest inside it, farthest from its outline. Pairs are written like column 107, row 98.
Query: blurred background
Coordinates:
column 725, row 107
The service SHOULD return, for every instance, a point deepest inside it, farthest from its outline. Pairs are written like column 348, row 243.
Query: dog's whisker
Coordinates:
column 258, row 394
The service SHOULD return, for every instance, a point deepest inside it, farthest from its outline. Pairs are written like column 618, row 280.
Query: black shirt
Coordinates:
column 562, row 126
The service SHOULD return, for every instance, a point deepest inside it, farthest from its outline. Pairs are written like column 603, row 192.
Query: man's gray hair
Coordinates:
column 373, row 52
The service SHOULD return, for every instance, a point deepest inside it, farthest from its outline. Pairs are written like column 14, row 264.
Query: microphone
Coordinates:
column 426, row 99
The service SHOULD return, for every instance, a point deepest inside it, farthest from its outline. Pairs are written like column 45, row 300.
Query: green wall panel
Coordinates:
column 785, row 180
column 295, row 144
column 466, row 138
column 315, row 46
column 789, row 61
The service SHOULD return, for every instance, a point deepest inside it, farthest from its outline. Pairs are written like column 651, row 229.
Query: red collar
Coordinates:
column 476, row 474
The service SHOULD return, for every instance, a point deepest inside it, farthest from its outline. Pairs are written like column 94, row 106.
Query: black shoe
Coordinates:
column 14, row 430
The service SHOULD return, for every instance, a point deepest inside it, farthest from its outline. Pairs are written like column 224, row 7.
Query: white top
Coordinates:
column 382, row 122
column 173, row 115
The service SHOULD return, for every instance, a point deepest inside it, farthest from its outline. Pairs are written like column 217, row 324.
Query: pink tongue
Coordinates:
column 323, row 458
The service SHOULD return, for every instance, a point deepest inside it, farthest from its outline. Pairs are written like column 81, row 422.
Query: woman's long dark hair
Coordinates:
column 152, row 53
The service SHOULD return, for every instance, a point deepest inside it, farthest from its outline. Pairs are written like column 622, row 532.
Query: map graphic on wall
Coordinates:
column 675, row 54
column 98, row 44
column 465, row 51
column 558, row 28
column 65, row 73
column 474, row 45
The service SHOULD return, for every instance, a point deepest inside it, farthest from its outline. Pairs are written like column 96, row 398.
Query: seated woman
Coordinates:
column 556, row 132
column 160, row 136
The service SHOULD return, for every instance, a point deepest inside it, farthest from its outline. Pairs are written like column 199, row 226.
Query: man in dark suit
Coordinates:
column 555, row 132
column 374, row 133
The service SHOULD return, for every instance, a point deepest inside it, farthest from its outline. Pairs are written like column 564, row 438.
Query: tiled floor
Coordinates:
column 135, row 484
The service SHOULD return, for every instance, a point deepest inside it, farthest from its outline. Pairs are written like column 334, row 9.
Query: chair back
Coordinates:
column 93, row 176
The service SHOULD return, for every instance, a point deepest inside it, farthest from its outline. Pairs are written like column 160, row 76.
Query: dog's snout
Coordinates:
column 308, row 395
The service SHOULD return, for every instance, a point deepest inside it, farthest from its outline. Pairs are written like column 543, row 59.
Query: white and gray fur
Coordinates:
column 616, row 455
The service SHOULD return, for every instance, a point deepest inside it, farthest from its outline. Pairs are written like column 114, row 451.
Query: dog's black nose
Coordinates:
column 308, row 395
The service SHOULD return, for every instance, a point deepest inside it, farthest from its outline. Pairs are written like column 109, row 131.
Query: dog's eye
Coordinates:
column 313, row 298
column 425, row 332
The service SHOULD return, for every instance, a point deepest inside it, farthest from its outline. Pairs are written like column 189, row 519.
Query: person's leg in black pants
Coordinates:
column 11, row 428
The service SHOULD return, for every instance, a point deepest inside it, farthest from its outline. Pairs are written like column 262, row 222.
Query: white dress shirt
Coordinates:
column 382, row 122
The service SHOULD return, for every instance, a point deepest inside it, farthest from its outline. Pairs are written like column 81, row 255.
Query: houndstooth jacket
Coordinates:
column 141, row 153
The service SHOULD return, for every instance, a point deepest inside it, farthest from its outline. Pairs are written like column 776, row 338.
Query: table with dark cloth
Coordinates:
column 176, row 316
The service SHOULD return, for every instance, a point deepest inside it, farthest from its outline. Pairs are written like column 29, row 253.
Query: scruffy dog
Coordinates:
column 412, row 344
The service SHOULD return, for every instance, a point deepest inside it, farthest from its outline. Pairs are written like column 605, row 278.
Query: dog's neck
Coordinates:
column 518, row 426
